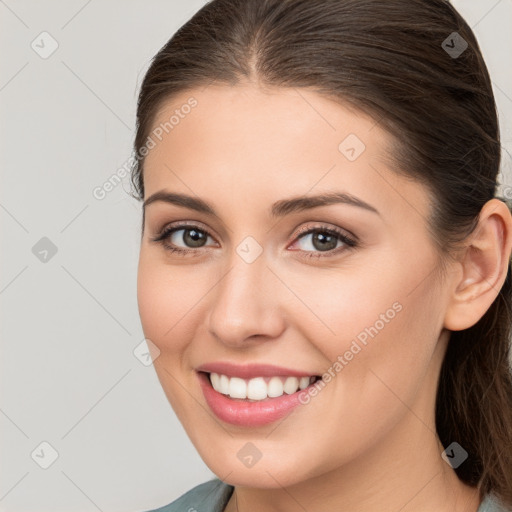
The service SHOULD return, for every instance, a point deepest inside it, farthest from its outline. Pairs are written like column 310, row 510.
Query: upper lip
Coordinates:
column 249, row 371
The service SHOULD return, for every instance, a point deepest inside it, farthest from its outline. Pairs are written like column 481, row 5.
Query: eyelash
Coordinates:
column 350, row 243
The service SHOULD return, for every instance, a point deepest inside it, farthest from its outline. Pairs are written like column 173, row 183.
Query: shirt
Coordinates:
column 213, row 496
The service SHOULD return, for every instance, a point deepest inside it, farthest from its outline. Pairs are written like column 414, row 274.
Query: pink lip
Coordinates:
column 250, row 371
column 244, row 413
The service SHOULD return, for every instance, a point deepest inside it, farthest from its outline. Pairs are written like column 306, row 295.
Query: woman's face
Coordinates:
column 253, row 289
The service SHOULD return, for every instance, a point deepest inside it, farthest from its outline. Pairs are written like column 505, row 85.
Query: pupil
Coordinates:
column 195, row 238
column 324, row 241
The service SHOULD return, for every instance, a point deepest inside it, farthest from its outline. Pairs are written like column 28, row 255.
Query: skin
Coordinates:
column 367, row 440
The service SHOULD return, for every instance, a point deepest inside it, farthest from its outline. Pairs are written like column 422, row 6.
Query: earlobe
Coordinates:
column 483, row 267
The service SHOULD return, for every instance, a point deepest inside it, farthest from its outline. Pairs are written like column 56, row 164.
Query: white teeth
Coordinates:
column 258, row 388
column 275, row 387
column 215, row 380
column 237, row 388
column 223, row 385
column 304, row 382
column 291, row 385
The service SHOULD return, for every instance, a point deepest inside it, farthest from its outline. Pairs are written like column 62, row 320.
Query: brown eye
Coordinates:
column 321, row 241
column 317, row 240
column 183, row 238
column 191, row 237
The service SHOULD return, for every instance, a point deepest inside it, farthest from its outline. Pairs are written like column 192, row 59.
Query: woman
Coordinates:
column 324, row 271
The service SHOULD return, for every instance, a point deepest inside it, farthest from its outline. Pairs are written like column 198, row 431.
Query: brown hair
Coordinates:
column 394, row 60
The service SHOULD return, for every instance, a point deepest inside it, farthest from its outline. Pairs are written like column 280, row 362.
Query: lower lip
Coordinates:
column 248, row 414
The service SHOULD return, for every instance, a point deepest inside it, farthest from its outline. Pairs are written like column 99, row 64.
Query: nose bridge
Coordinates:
column 242, row 304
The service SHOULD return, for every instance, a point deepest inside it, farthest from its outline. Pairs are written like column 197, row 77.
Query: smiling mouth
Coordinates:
column 258, row 389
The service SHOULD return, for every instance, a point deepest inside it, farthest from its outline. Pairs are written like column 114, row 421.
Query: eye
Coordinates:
column 191, row 237
column 186, row 239
column 322, row 239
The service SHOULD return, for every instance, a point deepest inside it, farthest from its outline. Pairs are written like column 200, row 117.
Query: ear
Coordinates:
column 482, row 268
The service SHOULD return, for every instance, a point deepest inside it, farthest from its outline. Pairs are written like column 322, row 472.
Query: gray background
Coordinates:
column 69, row 376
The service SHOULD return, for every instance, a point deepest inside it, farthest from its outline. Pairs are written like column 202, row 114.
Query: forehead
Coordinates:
column 270, row 143
column 249, row 120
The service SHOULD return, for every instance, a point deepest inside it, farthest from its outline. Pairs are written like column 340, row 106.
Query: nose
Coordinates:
column 245, row 306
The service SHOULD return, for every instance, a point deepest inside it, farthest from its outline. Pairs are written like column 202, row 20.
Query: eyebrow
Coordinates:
column 279, row 208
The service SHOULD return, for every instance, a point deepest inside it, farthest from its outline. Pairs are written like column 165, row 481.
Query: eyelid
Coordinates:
column 324, row 227
column 178, row 225
column 349, row 240
column 169, row 229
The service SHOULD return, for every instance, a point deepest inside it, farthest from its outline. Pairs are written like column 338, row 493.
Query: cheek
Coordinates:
column 162, row 301
column 384, row 302
column 166, row 307
column 170, row 301
column 377, row 362
column 151, row 295
column 380, row 322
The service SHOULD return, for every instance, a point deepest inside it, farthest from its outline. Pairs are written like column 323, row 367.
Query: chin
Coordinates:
column 264, row 474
